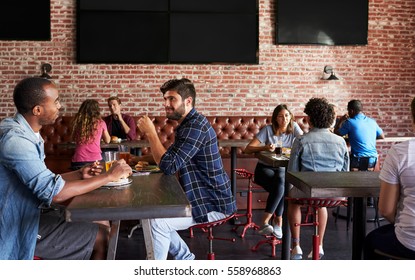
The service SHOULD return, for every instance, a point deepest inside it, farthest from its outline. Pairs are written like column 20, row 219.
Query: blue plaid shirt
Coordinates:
column 195, row 157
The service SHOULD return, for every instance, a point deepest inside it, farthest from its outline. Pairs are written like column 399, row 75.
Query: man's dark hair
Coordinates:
column 115, row 97
column 29, row 93
column 355, row 105
column 320, row 112
column 413, row 109
column 184, row 87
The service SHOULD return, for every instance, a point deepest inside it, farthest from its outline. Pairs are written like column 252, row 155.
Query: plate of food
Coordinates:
column 121, row 182
column 286, row 152
column 143, row 166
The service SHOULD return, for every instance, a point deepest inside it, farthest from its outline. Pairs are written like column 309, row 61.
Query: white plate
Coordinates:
column 121, row 182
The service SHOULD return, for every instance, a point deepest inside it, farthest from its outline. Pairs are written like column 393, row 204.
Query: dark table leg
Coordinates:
column 286, row 233
column 136, row 151
column 112, row 246
column 359, row 227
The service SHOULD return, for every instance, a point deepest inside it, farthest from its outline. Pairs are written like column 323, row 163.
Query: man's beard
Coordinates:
column 177, row 114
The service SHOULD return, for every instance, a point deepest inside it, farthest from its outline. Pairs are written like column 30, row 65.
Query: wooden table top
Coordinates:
column 394, row 139
column 272, row 160
column 148, row 196
column 241, row 143
column 131, row 144
column 336, row 184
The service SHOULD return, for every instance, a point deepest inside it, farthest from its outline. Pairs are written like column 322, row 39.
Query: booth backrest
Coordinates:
column 235, row 127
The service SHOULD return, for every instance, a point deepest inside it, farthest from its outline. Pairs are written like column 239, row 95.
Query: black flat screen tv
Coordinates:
column 25, row 20
column 167, row 31
column 322, row 22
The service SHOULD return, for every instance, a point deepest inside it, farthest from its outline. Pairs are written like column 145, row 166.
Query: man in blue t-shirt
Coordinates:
column 362, row 133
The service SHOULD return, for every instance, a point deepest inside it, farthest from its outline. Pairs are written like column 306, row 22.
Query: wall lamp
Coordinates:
column 328, row 73
column 46, row 68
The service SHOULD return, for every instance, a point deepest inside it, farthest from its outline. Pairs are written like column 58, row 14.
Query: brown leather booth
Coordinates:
column 58, row 158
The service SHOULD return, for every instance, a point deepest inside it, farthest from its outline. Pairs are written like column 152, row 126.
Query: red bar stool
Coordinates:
column 269, row 239
column 315, row 204
column 248, row 214
column 208, row 227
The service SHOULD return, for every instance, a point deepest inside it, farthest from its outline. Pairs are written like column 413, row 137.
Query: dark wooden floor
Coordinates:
column 337, row 242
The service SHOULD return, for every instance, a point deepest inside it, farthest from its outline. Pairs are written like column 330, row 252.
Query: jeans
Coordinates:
column 273, row 181
column 356, row 164
column 167, row 240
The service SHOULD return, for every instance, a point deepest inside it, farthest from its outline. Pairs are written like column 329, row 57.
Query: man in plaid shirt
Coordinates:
column 195, row 157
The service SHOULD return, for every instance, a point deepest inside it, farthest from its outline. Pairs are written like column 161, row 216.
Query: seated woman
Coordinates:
column 396, row 204
column 87, row 131
column 283, row 129
column 317, row 150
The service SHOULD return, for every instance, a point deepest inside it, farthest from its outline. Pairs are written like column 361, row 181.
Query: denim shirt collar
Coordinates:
column 25, row 125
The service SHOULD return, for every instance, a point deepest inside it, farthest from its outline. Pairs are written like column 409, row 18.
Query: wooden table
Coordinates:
column 133, row 144
column 234, row 144
column 150, row 196
column 271, row 159
column 359, row 185
column 394, row 139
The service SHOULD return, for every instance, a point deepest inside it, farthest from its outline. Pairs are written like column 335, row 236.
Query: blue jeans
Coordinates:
column 167, row 240
column 355, row 162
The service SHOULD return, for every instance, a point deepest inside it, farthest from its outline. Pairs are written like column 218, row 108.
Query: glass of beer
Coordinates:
column 278, row 149
column 124, row 153
column 109, row 158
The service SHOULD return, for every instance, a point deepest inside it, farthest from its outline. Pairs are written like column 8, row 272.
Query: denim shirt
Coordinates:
column 319, row 150
column 25, row 185
column 195, row 156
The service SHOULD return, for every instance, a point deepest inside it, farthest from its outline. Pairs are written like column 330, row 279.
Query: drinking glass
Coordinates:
column 278, row 149
column 124, row 152
column 109, row 158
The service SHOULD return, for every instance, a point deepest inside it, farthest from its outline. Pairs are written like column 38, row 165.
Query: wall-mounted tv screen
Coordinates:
column 322, row 22
column 167, row 31
column 25, row 20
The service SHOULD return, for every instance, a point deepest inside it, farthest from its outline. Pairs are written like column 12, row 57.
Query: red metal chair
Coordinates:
column 248, row 214
column 208, row 227
column 269, row 239
column 315, row 204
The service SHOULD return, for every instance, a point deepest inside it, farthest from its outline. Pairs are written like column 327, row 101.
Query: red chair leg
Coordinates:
column 271, row 240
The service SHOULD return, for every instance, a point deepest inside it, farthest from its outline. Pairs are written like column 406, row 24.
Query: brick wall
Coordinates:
column 381, row 74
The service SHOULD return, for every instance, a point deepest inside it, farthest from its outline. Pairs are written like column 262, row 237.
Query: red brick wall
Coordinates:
column 381, row 74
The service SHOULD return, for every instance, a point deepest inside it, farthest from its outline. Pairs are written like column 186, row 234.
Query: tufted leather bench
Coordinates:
column 58, row 159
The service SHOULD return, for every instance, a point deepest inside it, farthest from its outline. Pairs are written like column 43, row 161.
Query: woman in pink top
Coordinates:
column 87, row 131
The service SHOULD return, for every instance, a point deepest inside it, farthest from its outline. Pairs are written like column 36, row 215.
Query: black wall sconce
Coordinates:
column 328, row 73
column 46, row 68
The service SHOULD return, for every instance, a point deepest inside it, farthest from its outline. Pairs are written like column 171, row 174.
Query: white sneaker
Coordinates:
column 266, row 229
column 297, row 253
column 320, row 252
column 277, row 232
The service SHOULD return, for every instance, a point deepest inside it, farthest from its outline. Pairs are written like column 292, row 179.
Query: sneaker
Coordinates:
column 320, row 253
column 277, row 232
column 266, row 229
column 297, row 253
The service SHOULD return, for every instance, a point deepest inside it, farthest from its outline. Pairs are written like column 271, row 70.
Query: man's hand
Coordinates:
column 91, row 170
column 145, row 125
column 120, row 170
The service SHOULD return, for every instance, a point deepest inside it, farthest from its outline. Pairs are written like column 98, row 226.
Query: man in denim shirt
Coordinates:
column 27, row 184
column 317, row 150
column 195, row 157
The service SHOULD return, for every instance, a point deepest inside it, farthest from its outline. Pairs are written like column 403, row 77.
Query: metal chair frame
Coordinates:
column 315, row 204
column 208, row 228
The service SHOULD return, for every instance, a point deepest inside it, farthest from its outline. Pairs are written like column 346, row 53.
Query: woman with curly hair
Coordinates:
column 317, row 150
column 87, row 131
column 282, row 129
